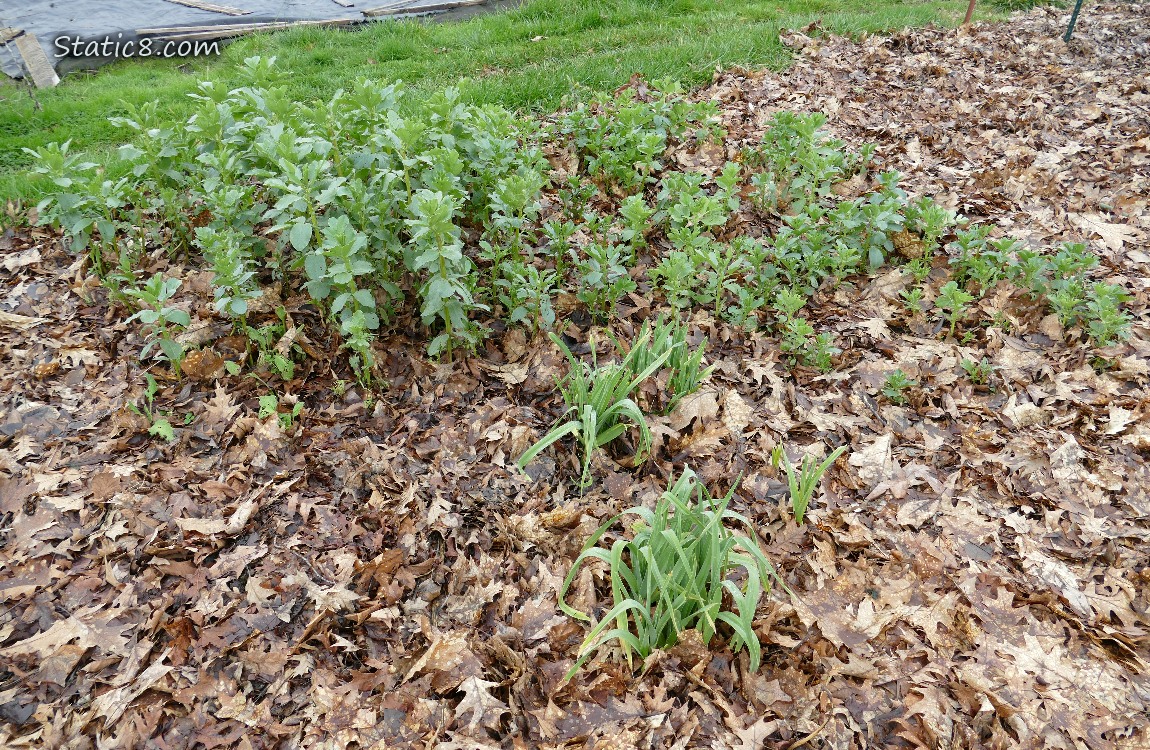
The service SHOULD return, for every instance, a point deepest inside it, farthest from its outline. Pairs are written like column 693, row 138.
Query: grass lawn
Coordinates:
column 532, row 57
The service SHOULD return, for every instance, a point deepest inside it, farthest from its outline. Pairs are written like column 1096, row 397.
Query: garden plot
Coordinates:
column 260, row 479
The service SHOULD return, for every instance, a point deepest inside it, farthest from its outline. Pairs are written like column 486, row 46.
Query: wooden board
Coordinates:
column 251, row 28
column 8, row 34
column 390, row 6
column 395, row 9
column 203, row 27
column 36, row 62
column 227, row 10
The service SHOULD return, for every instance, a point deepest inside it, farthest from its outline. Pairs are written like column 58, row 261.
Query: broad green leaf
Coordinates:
column 300, row 235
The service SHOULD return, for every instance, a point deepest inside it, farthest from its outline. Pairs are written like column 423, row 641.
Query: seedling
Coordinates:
column 952, row 300
column 636, row 216
column 447, row 294
column 978, row 372
column 912, row 298
column 159, row 423
column 274, row 354
column 159, row 316
column 600, row 406
column 603, row 279
column 676, row 275
column 803, row 482
column 896, row 385
column 233, row 281
column 799, row 340
column 526, row 294
column 1108, row 323
column 269, row 404
column 621, row 140
column 930, row 220
column 672, row 575
column 668, row 338
column 558, row 235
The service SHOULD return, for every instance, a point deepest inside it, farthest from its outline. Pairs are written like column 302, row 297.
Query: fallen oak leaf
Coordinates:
column 1119, row 419
column 1055, row 574
column 1114, row 236
column 702, row 406
column 755, row 736
column 16, row 261
column 112, row 704
column 203, row 364
column 75, row 628
column 449, row 660
column 873, row 462
column 484, row 707
column 20, row 322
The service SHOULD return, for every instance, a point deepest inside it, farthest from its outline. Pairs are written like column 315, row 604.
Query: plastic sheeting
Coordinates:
column 59, row 24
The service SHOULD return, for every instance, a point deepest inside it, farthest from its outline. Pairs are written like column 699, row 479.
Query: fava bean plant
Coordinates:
column 384, row 207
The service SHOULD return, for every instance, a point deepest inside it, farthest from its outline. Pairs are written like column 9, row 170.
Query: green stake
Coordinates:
column 1073, row 20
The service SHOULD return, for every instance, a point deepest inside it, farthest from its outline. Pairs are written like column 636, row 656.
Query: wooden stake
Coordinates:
column 969, row 13
column 36, row 62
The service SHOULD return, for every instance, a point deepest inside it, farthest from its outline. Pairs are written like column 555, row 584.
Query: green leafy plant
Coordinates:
column 1107, row 323
column 952, row 300
column 599, row 406
column 896, row 386
column 233, row 282
column 1067, row 297
column 667, row 338
column 558, row 234
column 803, row 482
column 912, row 298
column 799, row 340
column 447, row 293
column 621, row 140
column 381, row 205
column 160, row 317
column 929, row 221
column 674, row 574
column 636, row 215
column 159, row 422
column 800, row 163
column 78, row 203
column 269, row 404
column 525, row 293
column 721, row 264
column 676, row 275
column 978, row 372
column 603, row 278
column 272, row 354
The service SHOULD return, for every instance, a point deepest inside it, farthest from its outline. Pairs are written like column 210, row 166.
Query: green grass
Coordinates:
column 586, row 45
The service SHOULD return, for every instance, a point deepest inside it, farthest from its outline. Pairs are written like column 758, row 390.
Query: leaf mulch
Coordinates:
column 377, row 574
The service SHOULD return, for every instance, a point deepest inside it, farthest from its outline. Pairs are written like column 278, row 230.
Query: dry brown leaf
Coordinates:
column 737, row 413
column 111, row 705
column 485, row 709
column 702, row 406
column 234, row 524
column 1114, row 235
